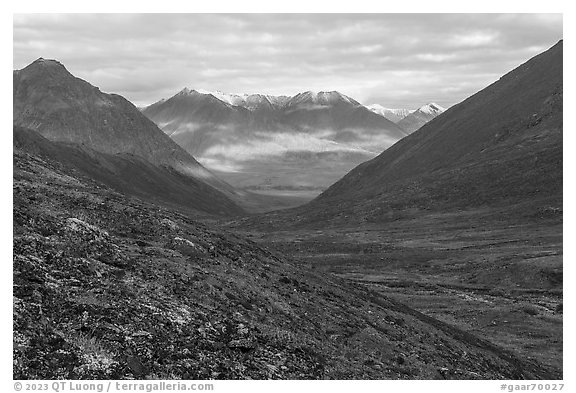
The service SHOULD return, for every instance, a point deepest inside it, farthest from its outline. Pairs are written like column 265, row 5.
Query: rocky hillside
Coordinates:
column 106, row 286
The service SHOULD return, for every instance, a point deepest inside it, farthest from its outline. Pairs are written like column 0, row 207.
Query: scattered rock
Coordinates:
column 243, row 344
column 169, row 224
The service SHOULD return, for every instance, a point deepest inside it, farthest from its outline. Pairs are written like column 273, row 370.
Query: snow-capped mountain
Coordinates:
column 420, row 116
column 323, row 98
column 263, row 134
column 431, row 109
column 394, row 115
column 248, row 101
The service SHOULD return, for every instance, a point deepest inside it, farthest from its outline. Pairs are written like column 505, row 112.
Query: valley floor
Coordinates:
column 498, row 281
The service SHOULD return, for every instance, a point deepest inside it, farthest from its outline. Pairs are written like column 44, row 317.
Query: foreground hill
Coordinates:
column 108, row 287
column 265, row 143
column 500, row 148
column 63, row 108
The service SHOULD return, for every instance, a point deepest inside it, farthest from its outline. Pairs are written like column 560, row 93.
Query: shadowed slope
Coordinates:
column 129, row 174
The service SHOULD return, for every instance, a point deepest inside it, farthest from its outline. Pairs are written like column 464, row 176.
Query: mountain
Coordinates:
column 252, row 102
column 394, row 115
column 265, row 143
column 348, row 119
column 65, row 109
column 419, row 117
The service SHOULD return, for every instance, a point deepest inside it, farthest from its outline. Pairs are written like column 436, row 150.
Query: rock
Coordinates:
column 186, row 247
column 284, row 280
column 83, row 228
column 136, row 366
column 169, row 224
column 243, row 344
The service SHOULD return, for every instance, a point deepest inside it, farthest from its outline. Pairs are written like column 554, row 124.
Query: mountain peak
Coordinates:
column 47, row 64
column 394, row 115
column 324, row 98
column 431, row 108
column 185, row 91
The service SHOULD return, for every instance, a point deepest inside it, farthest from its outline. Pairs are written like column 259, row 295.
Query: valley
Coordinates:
column 500, row 281
column 251, row 236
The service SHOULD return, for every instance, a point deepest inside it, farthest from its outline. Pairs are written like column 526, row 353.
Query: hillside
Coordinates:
column 109, row 287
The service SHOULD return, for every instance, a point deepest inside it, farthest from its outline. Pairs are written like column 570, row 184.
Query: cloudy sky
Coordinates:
column 397, row 60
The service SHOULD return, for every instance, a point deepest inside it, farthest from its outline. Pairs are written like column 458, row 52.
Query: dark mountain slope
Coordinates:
column 50, row 100
column 129, row 174
column 500, row 147
column 107, row 287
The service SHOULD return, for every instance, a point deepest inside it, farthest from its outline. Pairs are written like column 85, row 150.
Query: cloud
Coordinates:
column 398, row 60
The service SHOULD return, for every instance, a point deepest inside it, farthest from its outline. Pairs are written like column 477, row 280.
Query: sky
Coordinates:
column 396, row 60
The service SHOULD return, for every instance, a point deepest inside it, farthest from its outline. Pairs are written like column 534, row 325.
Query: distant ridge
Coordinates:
column 420, row 116
column 394, row 115
column 263, row 142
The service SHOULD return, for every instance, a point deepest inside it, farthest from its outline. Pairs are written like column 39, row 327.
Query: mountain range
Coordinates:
column 394, row 115
column 262, row 143
column 409, row 120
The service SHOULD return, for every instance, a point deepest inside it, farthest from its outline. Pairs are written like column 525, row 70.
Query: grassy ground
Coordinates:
column 499, row 281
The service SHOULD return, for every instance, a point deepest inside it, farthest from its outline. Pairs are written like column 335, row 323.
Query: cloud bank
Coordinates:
column 397, row 60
